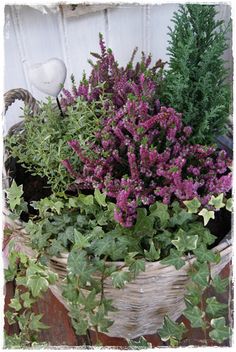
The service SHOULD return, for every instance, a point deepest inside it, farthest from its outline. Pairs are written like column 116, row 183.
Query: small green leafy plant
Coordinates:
column 43, row 143
column 84, row 226
column 32, row 279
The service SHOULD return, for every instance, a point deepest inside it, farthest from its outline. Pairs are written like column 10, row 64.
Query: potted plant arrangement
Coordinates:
column 125, row 229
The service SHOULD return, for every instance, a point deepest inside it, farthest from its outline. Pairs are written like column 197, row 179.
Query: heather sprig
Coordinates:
column 117, row 82
column 139, row 158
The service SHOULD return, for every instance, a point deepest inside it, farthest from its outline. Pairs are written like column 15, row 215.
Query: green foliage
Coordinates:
column 217, row 202
column 220, row 285
column 192, row 205
column 195, row 316
column 195, row 82
column 207, row 215
column 15, row 200
column 32, row 280
column 84, row 226
column 220, row 331
column 215, row 308
column 229, row 204
column 141, row 343
column 172, row 331
column 174, row 259
column 43, row 144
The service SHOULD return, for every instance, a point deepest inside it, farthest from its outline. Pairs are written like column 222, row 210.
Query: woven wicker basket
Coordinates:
column 142, row 304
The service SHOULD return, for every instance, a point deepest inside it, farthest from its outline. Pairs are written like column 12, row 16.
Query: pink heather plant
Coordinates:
column 118, row 82
column 139, row 158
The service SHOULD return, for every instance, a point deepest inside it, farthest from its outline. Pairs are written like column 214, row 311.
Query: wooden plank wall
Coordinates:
column 32, row 36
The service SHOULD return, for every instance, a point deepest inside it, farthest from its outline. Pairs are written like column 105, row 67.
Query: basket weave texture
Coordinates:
column 142, row 304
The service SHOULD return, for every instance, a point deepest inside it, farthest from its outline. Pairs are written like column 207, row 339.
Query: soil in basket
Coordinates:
column 36, row 188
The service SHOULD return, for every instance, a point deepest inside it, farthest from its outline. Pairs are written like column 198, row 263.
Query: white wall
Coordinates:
column 32, row 36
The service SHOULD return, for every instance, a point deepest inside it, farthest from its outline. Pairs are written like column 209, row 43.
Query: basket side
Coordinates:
column 142, row 304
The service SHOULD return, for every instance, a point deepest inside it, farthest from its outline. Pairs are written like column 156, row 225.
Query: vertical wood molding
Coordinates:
column 106, row 25
column 16, row 21
column 146, row 29
column 64, row 39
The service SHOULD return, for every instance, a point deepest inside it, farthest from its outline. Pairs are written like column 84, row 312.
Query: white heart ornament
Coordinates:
column 48, row 77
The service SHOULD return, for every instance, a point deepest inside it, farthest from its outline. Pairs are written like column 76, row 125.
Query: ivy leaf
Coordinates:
column 144, row 223
column 160, row 211
column 37, row 285
column 89, row 302
column 173, row 259
column 172, row 330
column 80, row 325
column 207, row 215
column 180, row 218
column 86, row 200
column 220, row 331
column 56, row 248
column 199, row 274
column 164, row 238
column 207, row 237
column 194, row 315
column 219, row 284
column 35, row 324
column 153, row 254
column 15, row 304
column 27, row 300
column 193, row 295
column 137, row 266
column 217, row 202
column 215, row 308
column 14, row 194
column 205, row 255
column 78, row 265
column 197, row 228
column 99, row 319
column 11, row 317
column 52, row 277
column 185, row 242
column 100, row 198
column 58, row 206
column 81, row 241
column 120, row 278
column 192, row 205
column 141, row 343
column 102, row 246
column 10, row 273
column 73, row 202
column 229, row 204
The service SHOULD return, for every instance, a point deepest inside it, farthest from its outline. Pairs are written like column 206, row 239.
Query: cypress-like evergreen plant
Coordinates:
column 195, row 82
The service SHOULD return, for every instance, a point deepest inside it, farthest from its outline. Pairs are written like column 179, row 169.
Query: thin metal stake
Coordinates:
column 58, row 103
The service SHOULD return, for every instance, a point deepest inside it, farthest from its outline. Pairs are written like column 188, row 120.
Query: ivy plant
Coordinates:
column 32, row 280
column 84, row 227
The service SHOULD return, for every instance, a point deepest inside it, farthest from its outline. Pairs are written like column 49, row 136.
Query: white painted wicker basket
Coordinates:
column 142, row 304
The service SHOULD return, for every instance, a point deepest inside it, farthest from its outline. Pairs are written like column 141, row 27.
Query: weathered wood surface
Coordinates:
column 62, row 333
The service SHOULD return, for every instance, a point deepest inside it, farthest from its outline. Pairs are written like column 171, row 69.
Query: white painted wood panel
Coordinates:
column 82, row 37
column 32, row 36
column 125, row 31
column 40, row 38
column 159, row 21
column 14, row 75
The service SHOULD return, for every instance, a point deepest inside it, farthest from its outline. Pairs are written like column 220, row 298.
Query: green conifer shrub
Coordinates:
column 195, row 82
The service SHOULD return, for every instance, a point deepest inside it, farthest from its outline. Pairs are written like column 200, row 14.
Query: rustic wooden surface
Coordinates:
column 62, row 333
